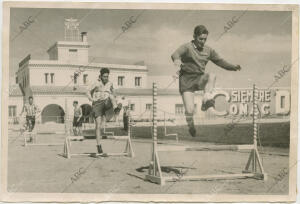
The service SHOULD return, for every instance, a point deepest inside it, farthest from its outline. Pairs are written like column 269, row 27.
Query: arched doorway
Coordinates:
column 87, row 113
column 53, row 113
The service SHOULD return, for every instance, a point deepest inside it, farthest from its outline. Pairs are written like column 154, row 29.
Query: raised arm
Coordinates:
column 88, row 92
column 176, row 56
column 113, row 92
column 216, row 59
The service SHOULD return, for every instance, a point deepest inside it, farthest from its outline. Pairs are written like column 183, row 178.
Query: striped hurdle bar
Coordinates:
column 155, row 173
column 127, row 152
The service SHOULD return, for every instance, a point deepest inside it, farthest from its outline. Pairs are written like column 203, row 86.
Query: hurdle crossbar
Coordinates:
column 104, row 129
column 128, row 151
column 33, row 136
column 251, row 171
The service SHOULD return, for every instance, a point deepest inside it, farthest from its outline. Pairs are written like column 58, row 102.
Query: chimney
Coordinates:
column 84, row 36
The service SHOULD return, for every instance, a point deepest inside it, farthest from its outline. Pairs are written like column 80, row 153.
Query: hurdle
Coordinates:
column 128, row 151
column 104, row 129
column 256, row 171
column 33, row 137
column 165, row 130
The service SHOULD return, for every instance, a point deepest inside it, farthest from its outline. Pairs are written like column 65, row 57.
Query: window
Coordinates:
column 121, row 80
column 282, row 105
column 52, row 78
column 73, row 54
column 75, row 78
column 195, row 108
column 16, row 80
column 179, row 109
column 132, row 107
column 85, row 78
column 12, row 111
column 46, row 78
column 148, row 106
column 137, row 81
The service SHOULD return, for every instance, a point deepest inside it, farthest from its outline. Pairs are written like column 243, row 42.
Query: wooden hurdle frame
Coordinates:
column 155, row 173
column 128, row 151
column 33, row 135
column 104, row 129
column 165, row 130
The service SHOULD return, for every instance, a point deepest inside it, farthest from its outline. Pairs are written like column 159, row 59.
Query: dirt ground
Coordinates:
column 44, row 169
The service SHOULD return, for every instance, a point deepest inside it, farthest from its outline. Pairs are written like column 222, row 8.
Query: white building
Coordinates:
column 55, row 83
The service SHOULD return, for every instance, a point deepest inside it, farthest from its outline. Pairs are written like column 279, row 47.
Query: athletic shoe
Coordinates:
column 104, row 155
column 95, row 155
column 192, row 131
column 206, row 105
column 99, row 148
column 30, row 139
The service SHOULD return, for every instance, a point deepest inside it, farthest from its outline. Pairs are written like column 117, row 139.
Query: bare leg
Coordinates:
column 211, row 82
column 80, row 131
column 98, row 130
column 74, row 131
column 188, row 101
column 113, row 101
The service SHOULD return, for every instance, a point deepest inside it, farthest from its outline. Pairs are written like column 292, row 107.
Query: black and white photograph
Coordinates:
column 149, row 102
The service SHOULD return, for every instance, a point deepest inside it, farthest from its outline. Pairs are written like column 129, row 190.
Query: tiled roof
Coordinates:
column 81, row 90
column 14, row 90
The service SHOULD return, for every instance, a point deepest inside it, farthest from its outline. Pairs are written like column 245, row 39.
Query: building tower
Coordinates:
column 72, row 30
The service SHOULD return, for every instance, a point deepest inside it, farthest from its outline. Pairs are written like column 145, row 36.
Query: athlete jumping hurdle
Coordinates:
column 102, row 96
column 191, row 59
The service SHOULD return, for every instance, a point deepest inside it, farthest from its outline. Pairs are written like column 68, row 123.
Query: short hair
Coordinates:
column 199, row 30
column 75, row 102
column 30, row 97
column 104, row 71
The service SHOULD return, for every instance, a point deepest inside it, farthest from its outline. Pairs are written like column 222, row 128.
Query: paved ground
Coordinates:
column 43, row 169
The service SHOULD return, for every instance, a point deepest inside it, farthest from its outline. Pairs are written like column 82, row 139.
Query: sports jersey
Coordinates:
column 194, row 59
column 100, row 91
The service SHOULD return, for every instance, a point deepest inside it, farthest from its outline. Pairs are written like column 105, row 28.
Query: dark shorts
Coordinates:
column 189, row 82
column 100, row 107
column 30, row 122
column 76, row 122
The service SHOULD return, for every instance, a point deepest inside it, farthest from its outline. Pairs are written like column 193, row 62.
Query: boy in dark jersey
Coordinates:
column 191, row 58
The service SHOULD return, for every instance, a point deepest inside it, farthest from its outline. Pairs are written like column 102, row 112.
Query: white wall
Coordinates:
column 63, row 76
column 64, row 55
column 15, row 101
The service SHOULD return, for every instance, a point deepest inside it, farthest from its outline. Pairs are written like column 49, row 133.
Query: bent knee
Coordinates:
column 189, row 111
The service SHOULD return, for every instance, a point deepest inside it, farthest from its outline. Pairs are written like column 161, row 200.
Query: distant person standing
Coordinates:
column 77, row 120
column 125, row 105
column 31, row 110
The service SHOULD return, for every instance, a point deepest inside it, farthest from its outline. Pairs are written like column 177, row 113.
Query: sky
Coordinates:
column 260, row 41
